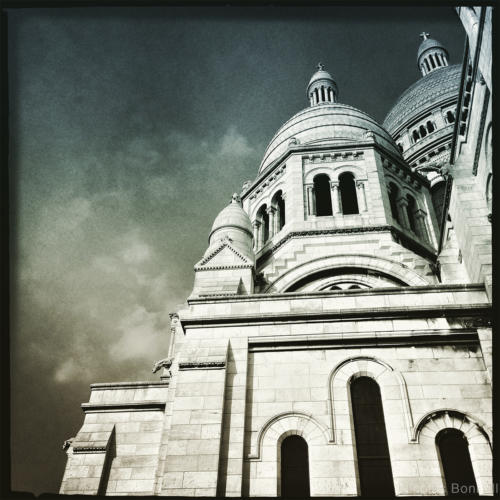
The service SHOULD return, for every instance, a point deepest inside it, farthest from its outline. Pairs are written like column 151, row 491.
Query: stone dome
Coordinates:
column 233, row 222
column 425, row 94
column 427, row 44
column 329, row 123
column 320, row 75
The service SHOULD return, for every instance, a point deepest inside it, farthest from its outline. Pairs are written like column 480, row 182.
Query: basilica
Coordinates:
column 337, row 339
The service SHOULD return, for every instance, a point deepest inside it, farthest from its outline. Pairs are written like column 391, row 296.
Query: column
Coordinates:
column 360, row 191
column 336, row 208
column 402, row 205
column 420, row 218
column 311, row 100
column 271, row 211
column 256, row 234
column 310, row 199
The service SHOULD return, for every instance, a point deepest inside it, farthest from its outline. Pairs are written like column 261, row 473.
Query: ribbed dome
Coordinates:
column 232, row 219
column 426, row 93
column 429, row 43
column 326, row 124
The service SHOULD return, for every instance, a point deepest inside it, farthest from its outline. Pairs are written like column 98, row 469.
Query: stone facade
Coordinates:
column 334, row 264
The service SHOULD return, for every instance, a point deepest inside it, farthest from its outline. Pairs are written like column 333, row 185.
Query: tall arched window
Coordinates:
column 374, row 465
column 294, row 468
column 263, row 218
column 430, row 127
column 438, row 198
column 415, row 136
column 450, row 117
column 323, row 195
column 393, row 197
column 279, row 205
column 411, row 209
column 348, row 194
column 456, row 464
column 422, row 131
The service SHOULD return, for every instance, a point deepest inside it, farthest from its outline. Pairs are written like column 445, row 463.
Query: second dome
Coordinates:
column 326, row 124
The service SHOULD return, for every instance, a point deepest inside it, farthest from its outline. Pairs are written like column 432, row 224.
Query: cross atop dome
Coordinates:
column 424, row 35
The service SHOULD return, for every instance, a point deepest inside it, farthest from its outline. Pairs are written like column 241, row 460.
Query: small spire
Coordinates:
column 431, row 54
column 236, row 199
column 322, row 88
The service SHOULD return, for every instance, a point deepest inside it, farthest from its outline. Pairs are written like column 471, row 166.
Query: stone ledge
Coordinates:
column 369, row 313
column 202, row 365
column 125, row 406
column 379, row 339
column 127, row 385
column 334, row 293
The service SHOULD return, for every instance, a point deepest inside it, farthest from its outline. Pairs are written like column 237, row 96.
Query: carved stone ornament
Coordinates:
column 67, row 443
column 245, row 186
column 163, row 363
column 445, row 170
column 479, row 322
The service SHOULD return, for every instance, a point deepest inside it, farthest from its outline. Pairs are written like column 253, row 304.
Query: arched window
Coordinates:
column 430, row 127
column 450, row 117
column 278, row 204
column 353, row 287
column 393, row 197
column 427, row 64
column 400, row 146
column 374, row 465
column 323, row 195
column 415, row 136
column 438, row 198
column 263, row 218
column 294, row 468
column 411, row 209
column 348, row 194
column 456, row 464
column 489, row 191
column 422, row 131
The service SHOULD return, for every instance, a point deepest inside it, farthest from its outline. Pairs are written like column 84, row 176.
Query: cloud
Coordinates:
column 137, row 253
column 234, row 144
column 142, row 333
column 68, row 370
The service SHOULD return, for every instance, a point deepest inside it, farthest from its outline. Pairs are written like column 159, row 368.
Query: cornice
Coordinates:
column 354, row 339
column 202, row 365
column 101, row 386
column 339, row 315
column 123, row 406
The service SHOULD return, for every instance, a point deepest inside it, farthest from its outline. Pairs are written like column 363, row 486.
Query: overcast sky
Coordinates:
column 130, row 129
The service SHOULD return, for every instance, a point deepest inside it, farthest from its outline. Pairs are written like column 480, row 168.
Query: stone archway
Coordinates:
column 477, row 434
column 388, row 267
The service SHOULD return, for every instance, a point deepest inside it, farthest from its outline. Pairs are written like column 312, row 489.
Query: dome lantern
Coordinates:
column 431, row 55
column 322, row 88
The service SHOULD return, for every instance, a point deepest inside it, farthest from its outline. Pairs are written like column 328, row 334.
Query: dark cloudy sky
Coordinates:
column 130, row 129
